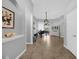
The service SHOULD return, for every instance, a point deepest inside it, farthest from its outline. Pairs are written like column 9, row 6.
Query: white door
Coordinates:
column 72, row 31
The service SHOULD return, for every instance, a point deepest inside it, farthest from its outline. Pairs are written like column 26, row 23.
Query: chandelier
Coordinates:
column 46, row 23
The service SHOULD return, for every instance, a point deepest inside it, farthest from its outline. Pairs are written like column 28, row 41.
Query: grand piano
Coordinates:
column 40, row 34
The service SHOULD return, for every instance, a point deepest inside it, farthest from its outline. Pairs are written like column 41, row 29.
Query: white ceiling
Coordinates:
column 54, row 8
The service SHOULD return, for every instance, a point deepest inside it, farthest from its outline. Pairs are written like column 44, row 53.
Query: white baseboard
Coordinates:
column 62, row 36
column 21, row 54
column 65, row 46
column 58, row 36
column 70, row 50
column 28, row 43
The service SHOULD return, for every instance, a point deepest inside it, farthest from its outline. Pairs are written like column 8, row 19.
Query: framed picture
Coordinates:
column 8, row 18
column 55, row 28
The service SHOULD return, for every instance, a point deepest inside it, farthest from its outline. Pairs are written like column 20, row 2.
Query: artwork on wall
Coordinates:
column 33, row 25
column 55, row 28
column 7, row 18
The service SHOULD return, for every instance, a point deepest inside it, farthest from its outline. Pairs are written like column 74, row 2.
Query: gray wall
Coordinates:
column 57, row 22
column 11, row 49
column 19, row 18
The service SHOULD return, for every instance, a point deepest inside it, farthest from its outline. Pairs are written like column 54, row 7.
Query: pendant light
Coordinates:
column 46, row 23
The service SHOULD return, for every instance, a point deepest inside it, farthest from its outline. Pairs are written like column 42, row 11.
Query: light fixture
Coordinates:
column 46, row 23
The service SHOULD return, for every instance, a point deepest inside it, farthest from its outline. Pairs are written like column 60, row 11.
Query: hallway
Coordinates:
column 50, row 47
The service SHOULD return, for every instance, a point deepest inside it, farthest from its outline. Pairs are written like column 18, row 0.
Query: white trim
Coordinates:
column 21, row 54
column 69, row 50
column 5, row 40
column 58, row 36
column 62, row 36
column 28, row 43
column 65, row 46
column 31, row 28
